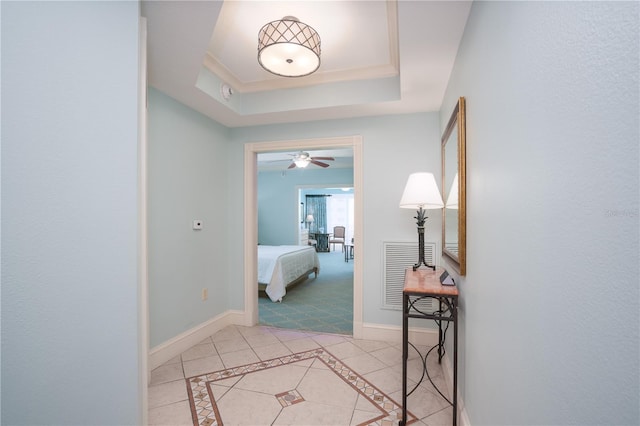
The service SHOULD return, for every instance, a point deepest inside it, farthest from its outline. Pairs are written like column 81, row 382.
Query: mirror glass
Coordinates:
column 451, row 193
column 453, row 190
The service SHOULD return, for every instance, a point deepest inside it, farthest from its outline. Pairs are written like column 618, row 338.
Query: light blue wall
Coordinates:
column 188, row 180
column 393, row 147
column 69, row 213
column 550, row 303
column 278, row 200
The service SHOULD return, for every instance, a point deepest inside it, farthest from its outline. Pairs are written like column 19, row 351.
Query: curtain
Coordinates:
column 317, row 206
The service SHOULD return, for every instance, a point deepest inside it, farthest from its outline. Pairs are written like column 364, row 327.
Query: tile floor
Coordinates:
column 309, row 379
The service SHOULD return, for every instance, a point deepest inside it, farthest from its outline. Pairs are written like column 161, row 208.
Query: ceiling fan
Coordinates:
column 302, row 159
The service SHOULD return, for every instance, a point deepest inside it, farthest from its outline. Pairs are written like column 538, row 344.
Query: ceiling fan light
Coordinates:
column 289, row 48
column 301, row 162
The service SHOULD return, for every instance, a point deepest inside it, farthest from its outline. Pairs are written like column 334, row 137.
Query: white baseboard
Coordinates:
column 175, row 346
column 463, row 418
column 391, row 333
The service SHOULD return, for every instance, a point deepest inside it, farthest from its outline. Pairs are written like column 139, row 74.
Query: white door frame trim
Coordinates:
column 251, row 151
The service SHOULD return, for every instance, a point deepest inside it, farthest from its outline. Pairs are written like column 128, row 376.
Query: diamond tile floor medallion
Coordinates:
column 289, row 398
column 286, row 390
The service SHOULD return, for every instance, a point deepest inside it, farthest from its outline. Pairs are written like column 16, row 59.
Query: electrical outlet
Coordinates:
column 205, row 294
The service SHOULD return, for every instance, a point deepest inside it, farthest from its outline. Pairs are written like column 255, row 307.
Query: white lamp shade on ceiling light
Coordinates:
column 289, row 48
column 421, row 191
column 452, row 199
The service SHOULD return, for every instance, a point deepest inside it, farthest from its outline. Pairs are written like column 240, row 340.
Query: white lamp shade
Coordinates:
column 289, row 48
column 452, row 199
column 421, row 191
column 309, row 218
column 289, row 59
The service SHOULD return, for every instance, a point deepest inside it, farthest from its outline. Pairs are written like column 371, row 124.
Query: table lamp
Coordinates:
column 422, row 193
column 309, row 221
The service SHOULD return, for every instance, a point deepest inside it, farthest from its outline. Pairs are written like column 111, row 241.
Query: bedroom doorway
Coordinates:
column 322, row 303
column 251, row 222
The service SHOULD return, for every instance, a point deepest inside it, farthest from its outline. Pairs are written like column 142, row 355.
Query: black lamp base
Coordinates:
column 421, row 260
column 417, row 265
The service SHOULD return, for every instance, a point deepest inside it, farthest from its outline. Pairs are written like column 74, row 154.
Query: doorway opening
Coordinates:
column 322, row 302
column 251, row 221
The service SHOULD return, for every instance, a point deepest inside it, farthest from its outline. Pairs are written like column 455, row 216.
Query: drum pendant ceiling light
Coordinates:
column 289, row 48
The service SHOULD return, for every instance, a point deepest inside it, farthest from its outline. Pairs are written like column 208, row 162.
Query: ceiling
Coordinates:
column 377, row 57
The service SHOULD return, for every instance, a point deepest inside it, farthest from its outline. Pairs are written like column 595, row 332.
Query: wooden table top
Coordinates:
column 427, row 281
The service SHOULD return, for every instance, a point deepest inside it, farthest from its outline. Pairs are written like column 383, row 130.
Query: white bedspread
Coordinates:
column 278, row 266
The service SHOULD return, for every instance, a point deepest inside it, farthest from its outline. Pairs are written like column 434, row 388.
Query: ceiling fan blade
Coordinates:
column 292, row 165
column 319, row 163
column 323, row 158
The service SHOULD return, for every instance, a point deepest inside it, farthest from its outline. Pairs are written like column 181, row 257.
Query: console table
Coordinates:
column 418, row 285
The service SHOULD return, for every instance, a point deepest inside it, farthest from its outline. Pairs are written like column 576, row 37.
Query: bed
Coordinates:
column 281, row 266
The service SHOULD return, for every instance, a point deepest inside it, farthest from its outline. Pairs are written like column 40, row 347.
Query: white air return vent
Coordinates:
column 397, row 257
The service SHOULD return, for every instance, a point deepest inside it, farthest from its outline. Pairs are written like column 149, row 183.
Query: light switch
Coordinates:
column 197, row 224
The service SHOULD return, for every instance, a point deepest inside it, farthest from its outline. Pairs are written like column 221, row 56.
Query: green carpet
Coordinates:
column 323, row 304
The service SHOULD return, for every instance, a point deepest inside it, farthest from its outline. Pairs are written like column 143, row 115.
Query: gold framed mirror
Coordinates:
column 454, row 215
